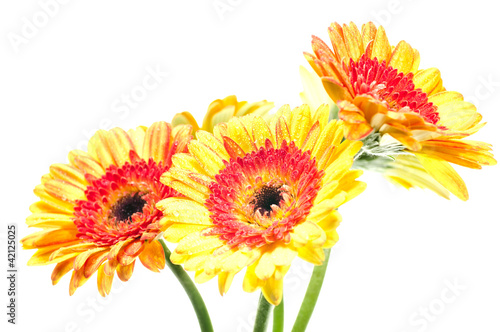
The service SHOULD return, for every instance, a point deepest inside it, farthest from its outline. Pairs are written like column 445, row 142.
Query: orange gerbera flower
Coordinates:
column 380, row 90
column 259, row 194
column 98, row 213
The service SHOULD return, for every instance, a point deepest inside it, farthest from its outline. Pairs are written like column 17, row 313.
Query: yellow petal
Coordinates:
column 265, row 266
column 261, row 132
column 187, row 162
column 225, row 280
column 283, row 255
column 381, row 47
column 402, row 57
column 239, row 133
column 195, row 243
column 427, row 79
column 51, row 220
column 273, row 291
column 207, row 158
column 185, row 118
column 445, row 175
column 213, row 143
column 176, row 232
column 184, row 211
column 300, row 124
column 314, row 255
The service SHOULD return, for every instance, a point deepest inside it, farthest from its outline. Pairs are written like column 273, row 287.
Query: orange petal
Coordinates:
column 157, row 142
column 94, row 262
column 124, row 272
column 232, row 148
column 104, row 282
column 110, row 267
column 49, row 238
column 81, row 259
column 335, row 89
column 336, row 36
column 368, row 33
column 153, row 256
column 69, row 174
column 77, row 280
column 130, row 252
column 120, row 145
column 61, row 269
column 85, row 163
column 99, row 149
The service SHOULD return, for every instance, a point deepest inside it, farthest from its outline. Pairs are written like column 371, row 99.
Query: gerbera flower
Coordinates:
column 222, row 110
column 258, row 195
column 98, row 212
column 380, row 90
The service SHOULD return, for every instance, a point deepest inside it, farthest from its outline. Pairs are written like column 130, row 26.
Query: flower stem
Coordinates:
column 191, row 291
column 312, row 293
column 279, row 316
column 263, row 312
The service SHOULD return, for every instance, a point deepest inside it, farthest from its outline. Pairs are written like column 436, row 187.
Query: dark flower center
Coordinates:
column 127, row 206
column 258, row 199
column 265, row 197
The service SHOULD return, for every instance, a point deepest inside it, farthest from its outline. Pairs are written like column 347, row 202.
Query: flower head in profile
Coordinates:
column 380, row 90
column 98, row 213
column 222, row 110
column 259, row 194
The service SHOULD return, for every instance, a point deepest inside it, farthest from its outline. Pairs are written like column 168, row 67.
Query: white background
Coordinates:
column 397, row 248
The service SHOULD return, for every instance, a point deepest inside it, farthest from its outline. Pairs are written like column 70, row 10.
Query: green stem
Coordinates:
column 279, row 316
column 263, row 312
column 191, row 291
column 309, row 302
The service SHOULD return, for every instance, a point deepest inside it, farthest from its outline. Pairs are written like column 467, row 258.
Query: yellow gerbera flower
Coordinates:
column 379, row 89
column 98, row 212
column 258, row 195
column 222, row 110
